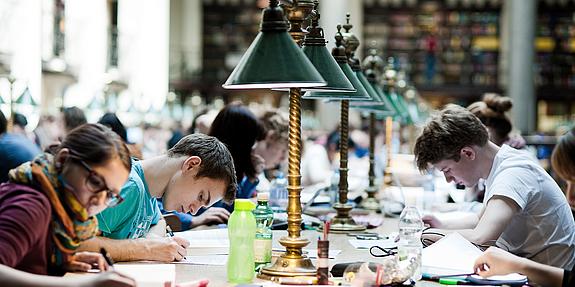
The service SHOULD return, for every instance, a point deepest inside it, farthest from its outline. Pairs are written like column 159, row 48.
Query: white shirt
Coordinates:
column 543, row 229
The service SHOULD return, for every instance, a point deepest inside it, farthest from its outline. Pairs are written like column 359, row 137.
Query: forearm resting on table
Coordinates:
column 542, row 274
column 11, row 277
column 492, row 222
column 468, row 221
column 119, row 250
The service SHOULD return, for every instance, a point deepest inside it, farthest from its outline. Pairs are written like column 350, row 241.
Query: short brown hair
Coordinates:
column 217, row 162
column 563, row 157
column 446, row 133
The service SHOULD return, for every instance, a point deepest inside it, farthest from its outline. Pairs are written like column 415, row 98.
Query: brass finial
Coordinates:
column 315, row 36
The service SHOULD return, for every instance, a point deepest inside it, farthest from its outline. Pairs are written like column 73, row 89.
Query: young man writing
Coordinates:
column 197, row 172
column 525, row 211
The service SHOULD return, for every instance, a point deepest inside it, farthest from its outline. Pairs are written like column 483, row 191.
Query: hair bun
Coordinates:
column 498, row 103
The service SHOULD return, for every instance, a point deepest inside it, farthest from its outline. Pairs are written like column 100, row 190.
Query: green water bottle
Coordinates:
column 242, row 232
column 263, row 242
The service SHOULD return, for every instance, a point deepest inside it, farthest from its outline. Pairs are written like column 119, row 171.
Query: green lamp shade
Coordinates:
column 274, row 61
column 382, row 107
column 26, row 98
column 326, row 65
column 2, row 100
column 359, row 95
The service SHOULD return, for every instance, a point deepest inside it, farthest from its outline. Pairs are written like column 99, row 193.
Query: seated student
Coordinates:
column 15, row 149
column 272, row 149
column 525, row 211
column 499, row 262
column 47, row 208
column 195, row 173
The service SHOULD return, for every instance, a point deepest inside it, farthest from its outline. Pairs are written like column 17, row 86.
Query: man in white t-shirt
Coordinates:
column 525, row 211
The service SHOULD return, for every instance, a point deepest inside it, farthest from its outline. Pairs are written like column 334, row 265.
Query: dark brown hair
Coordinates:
column 563, row 157
column 491, row 111
column 3, row 123
column 73, row 118
column 446, row 133
column 95, row 144
column 239, row 129
column 217, row 162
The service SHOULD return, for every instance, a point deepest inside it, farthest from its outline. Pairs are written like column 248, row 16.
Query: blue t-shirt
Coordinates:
column 14, row 151
column 134, row 216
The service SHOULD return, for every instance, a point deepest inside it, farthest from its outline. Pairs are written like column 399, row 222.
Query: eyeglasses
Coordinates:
column 96, row 183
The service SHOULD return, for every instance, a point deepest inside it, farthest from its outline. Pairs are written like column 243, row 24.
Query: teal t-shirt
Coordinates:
column 133, row 217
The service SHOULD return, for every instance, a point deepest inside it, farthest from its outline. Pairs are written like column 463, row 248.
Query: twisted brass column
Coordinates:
column 343, row 222
column 371, row 203
column 388, row 138
column 293, row 262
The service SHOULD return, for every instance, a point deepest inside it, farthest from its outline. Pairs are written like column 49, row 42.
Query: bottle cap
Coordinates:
column 244, row 204
column 263, row 196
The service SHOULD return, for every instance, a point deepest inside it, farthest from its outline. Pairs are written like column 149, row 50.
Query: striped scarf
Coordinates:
column 71, row 223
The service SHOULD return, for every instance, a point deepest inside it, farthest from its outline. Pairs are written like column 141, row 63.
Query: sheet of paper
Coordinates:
column 204, row 260
column 148, row 275
column 453, row 254
column 367, row 244
column 206, row 238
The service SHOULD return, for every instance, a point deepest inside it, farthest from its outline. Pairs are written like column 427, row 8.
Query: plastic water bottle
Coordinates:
column 263, row 239
column 409, row 247
column 278, row 193
column 242, row 232
column 334, row 187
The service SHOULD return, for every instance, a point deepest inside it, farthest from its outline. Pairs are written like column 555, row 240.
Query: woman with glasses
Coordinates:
column 48, row 207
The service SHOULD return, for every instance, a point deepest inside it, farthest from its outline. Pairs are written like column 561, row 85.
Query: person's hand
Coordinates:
column 109, row 279
column 516, row 141
column 432, row 221
column 84, row 261
column 165, row 249
column 213, row 215
column 495, row 261
column 258, row 162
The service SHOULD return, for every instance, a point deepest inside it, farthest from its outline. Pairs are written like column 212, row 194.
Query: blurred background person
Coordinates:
column 15, row 149
column 273, row 147
column 46, row 132
column 113, row 122
column 70, row 118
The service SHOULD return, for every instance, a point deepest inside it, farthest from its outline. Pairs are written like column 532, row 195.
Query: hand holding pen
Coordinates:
column 181, row 244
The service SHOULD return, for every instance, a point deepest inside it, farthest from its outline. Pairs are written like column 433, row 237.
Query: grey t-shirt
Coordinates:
column 544, row 229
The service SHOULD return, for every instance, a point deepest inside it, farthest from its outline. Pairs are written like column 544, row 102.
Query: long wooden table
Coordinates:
column 217, row 274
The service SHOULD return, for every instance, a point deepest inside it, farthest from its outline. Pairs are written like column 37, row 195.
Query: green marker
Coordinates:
column 453, row 281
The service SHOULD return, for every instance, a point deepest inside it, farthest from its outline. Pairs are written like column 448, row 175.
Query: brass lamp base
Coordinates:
column 370, row 202
column 342, row 222
column 290, row 264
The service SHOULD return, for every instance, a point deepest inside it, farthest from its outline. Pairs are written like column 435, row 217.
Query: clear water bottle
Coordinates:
column 334, row 187
column 263, row 240
column 409, row 247
column 242, row 233
column 279, row 193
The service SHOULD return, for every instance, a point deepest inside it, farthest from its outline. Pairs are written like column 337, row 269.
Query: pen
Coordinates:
column 107, row 257
column 169, row 231
column 453, row 281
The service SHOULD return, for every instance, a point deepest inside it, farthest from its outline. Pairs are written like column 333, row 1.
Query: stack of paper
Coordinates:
column 212, row 238
column 149, row 275
column 454, row 254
